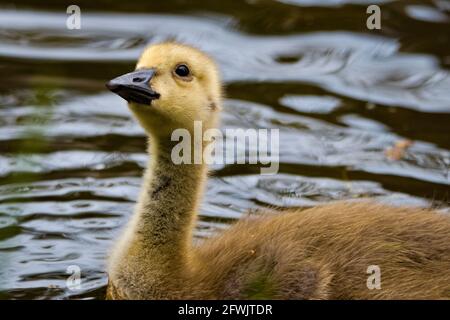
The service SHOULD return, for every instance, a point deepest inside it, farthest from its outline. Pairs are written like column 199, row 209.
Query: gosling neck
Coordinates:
column 168, row 204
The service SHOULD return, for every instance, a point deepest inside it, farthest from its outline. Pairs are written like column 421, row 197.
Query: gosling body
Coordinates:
column 324, row 252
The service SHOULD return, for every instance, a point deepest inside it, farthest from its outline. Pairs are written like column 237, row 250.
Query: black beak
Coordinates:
column 134, row 86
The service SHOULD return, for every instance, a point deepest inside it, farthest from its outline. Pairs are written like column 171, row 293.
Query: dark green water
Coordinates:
column 71, row 156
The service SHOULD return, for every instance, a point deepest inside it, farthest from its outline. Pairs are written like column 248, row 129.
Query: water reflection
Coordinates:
column 358, row 66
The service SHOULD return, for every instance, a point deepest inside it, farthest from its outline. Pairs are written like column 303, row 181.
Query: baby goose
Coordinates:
column 319, row 253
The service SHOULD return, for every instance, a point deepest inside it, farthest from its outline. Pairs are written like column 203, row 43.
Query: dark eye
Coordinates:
column 182, row 70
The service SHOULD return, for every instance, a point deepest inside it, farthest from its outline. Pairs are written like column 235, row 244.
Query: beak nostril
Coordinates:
column 138, row 79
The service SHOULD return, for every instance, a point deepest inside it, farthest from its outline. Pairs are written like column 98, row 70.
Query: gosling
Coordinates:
column 327, row 252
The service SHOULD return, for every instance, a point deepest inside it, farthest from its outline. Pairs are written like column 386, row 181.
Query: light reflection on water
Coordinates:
column 71, row 156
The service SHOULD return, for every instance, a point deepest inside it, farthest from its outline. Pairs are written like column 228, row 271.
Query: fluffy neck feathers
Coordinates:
column 168, row 204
